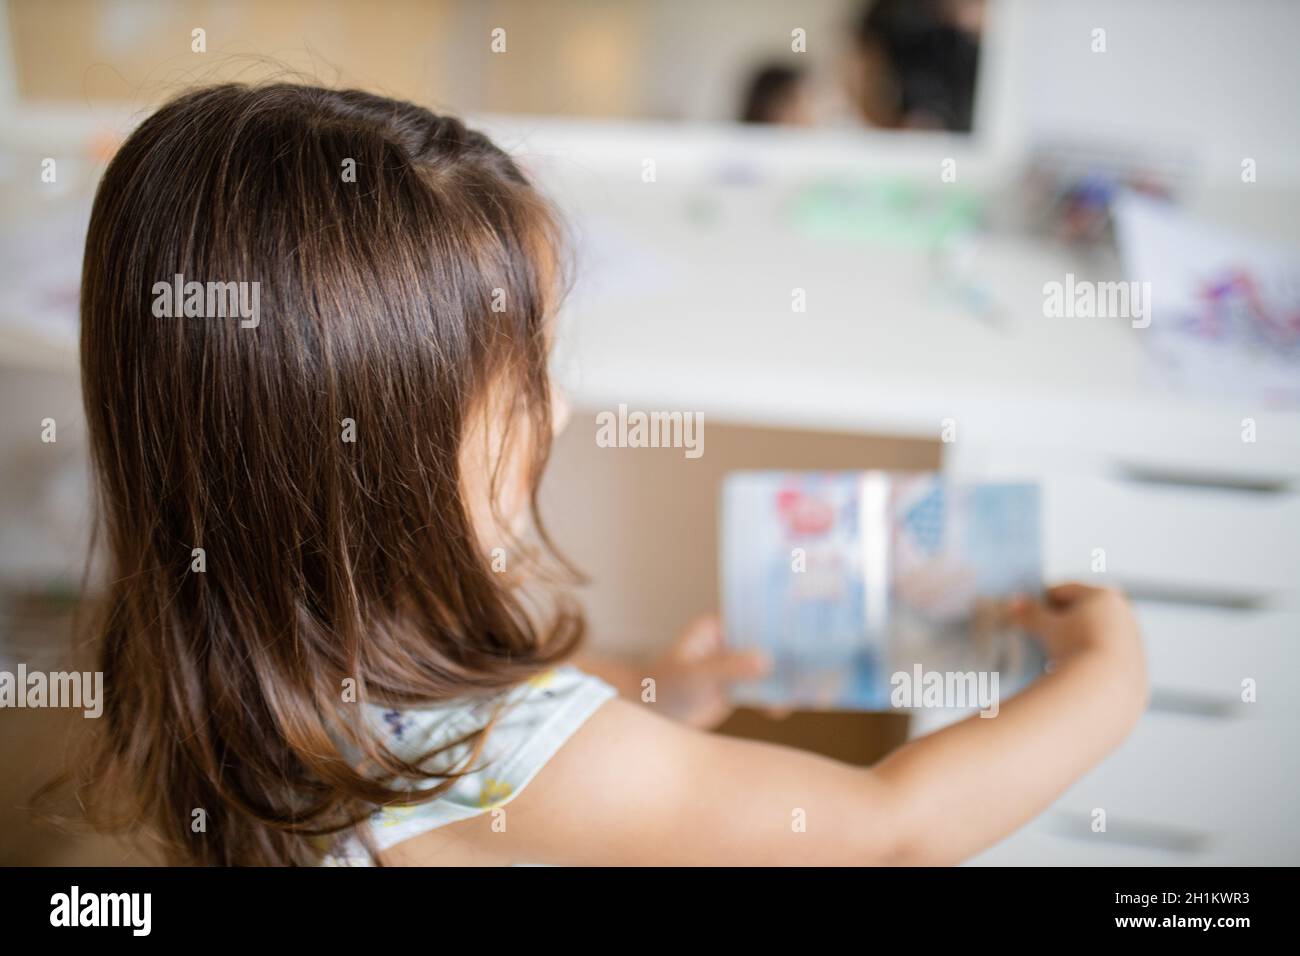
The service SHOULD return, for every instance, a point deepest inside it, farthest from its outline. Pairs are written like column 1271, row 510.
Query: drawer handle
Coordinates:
column 1193, row 704
column 1193, row 596
column 1256, row 484
column 1135, row 833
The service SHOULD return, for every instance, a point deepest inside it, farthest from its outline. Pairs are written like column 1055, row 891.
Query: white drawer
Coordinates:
column 1205, row 545
column 1214, row 458
column 1232, row 781
column 1198, row 656
column 1215, row 572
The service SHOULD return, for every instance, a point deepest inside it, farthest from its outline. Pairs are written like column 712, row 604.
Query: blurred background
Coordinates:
column 830, row 227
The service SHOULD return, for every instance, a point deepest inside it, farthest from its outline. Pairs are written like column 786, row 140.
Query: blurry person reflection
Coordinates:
column 914, row 61
column 778, row 94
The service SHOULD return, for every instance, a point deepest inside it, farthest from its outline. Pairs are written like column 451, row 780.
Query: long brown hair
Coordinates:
column 269, row 572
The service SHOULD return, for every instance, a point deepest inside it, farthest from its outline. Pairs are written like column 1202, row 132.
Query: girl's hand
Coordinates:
column 1076, row 618
column 1079, row 621
column 693, row 677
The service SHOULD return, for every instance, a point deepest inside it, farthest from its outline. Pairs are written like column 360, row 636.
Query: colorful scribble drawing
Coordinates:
column 1233, row 310
column 1226, row 306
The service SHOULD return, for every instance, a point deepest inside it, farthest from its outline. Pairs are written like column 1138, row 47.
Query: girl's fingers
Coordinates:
column 738, row 665
column 699, row 639
column 1029, row 614
column 1069, row 592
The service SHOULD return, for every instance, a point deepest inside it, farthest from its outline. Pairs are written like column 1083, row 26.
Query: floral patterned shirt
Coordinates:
column 535, row 721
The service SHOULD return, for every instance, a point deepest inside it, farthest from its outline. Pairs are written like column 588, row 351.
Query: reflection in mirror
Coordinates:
column 904, row 64
column 913, row 63
column 885, row 64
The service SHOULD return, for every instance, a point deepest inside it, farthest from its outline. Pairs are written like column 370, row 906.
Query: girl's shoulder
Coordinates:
column 528, row 724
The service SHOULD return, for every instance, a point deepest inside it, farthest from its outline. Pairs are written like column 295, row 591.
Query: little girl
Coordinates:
column 333, row 629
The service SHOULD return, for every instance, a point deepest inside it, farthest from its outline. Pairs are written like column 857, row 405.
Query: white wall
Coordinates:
column 1216, row 78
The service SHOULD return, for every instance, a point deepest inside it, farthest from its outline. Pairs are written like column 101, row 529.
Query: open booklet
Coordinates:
column 850, row 579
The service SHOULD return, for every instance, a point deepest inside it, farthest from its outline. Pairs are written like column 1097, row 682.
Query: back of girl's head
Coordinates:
column 283, row 495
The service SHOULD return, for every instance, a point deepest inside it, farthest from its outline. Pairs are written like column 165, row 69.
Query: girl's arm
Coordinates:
column 633, row 788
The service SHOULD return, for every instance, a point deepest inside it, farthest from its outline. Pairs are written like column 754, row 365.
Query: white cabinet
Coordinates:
column 1215, row 571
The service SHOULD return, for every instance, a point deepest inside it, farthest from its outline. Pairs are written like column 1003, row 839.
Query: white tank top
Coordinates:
column 535, row 721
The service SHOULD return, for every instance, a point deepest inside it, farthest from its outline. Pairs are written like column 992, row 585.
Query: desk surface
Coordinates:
column 676, row 314
column 683, row 301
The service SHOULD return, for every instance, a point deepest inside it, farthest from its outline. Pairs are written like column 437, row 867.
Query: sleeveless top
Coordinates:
column 534, row 721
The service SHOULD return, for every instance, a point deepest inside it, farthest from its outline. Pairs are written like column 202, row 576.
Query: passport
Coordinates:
column 849, row 578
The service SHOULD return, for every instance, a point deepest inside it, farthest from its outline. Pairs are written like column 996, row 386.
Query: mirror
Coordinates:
column 886, row 64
